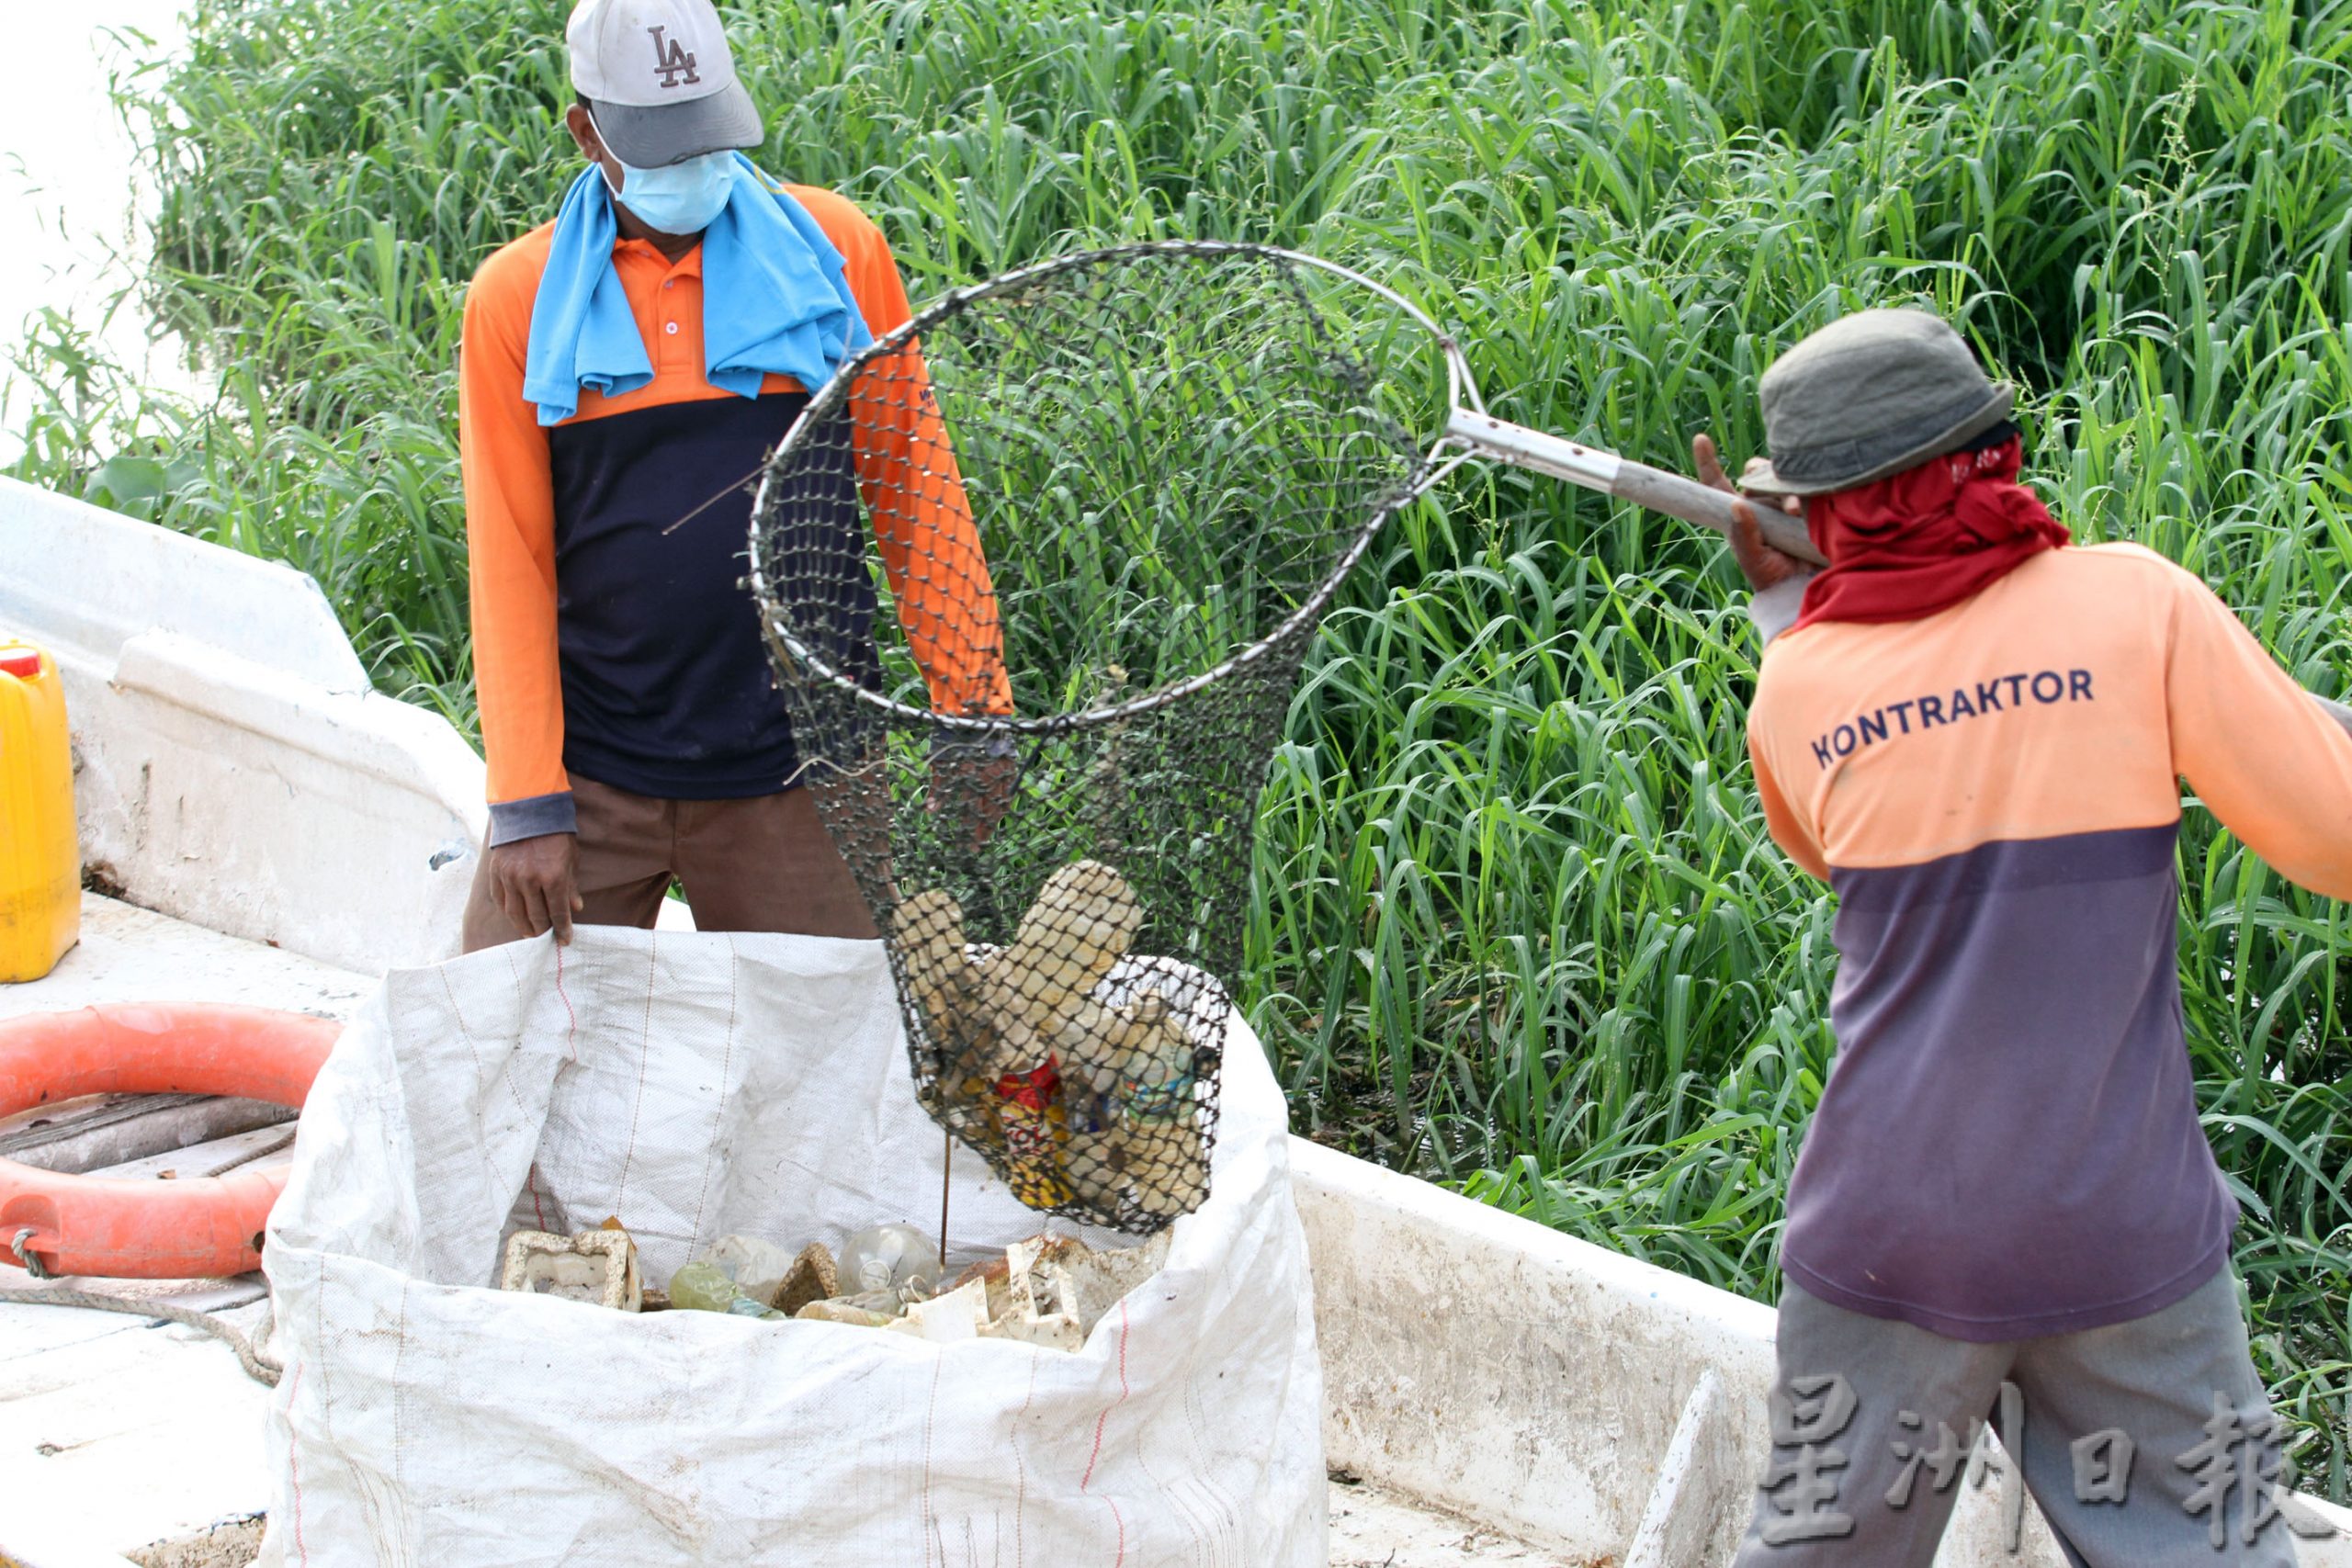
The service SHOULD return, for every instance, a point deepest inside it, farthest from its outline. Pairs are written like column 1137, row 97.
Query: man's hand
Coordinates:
column 536, row 883
column 1763, row 566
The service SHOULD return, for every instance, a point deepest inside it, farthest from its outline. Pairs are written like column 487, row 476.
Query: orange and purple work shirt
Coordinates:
column 612, row 633
column 2008, row 1142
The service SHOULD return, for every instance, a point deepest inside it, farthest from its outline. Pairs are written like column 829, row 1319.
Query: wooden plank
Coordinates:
column 64, row 1115
column 136, row 1128
column 255, row 1147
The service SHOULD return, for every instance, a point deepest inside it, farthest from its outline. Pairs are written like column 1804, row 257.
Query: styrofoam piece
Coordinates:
column 1099, row 1278
column 1040, row 1305
column 597, row 1266
column 1033, row 1270
column 1021, row 1265
column 959, row 1315
column 1050, row 1331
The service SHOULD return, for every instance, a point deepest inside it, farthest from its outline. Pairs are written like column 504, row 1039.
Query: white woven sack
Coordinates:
column 699, row 1084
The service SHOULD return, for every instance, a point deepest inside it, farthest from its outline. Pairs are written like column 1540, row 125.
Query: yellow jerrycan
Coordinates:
column 40, row 857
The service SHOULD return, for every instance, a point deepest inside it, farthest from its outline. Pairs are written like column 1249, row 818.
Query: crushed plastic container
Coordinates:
column 40, row 858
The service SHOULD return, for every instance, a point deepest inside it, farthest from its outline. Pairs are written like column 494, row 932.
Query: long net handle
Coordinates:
column 1657, row 489
column 1672, row 494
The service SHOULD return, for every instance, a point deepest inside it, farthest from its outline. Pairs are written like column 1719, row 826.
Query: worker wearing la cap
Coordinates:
column 2005, row 1208
column 621, row 366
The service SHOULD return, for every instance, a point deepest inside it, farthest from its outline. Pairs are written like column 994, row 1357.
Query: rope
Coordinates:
column 256, row 1366
column 26, row 1256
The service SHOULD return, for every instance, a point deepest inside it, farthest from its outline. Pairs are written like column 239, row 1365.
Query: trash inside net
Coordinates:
column 1038, row 574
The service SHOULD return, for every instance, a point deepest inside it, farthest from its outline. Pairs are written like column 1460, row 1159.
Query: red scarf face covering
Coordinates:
column 1922, row 540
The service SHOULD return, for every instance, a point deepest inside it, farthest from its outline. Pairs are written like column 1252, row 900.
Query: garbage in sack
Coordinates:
column 706, row 1087
column 889, row 1257
column 1046, row 1290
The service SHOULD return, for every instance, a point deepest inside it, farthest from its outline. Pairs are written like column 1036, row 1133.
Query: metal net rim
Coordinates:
column 831, row 398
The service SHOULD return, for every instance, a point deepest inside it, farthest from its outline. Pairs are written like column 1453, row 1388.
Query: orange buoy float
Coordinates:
column 52, row 1223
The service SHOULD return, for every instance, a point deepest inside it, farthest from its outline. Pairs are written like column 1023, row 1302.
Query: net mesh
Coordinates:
column 1038, row 575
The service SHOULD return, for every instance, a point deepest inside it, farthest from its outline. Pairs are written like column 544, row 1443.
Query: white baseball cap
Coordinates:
column 659, row 80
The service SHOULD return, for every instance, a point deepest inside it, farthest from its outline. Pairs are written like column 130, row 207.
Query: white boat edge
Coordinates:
column 234, row 771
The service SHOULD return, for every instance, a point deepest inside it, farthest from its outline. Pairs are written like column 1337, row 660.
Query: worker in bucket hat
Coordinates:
column 2004, row 1211
column 623, row 368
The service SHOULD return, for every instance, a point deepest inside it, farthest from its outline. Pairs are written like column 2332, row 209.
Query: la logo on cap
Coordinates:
column 672, row 62
column 659, row 80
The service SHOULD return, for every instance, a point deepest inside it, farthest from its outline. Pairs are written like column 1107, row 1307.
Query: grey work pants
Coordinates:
column 1872, row 1419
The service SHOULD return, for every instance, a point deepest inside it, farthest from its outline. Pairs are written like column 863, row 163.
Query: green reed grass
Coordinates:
column 1517, row 923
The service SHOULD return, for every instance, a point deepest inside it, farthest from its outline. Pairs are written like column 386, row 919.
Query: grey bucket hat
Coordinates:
column 1872, row 395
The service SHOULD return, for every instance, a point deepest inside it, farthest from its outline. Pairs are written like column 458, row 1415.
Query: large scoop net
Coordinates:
column 1039, row 571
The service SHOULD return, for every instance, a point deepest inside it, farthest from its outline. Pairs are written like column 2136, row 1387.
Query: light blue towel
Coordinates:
column 774, row 299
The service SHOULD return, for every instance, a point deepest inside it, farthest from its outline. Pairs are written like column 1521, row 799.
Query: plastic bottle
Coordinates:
column 889, row 1258
column 704, row 1287
column 40, row 856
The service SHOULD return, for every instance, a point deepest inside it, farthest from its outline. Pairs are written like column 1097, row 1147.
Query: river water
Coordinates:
column 73, row 212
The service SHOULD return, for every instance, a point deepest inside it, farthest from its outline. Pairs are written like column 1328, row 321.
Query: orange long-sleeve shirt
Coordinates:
column 609, row 644
column 2008, row 1141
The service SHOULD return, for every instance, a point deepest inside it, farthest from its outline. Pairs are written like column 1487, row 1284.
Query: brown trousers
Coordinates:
column 762, row 864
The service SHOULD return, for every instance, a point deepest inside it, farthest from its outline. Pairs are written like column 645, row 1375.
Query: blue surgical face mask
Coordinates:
column 682, row 198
